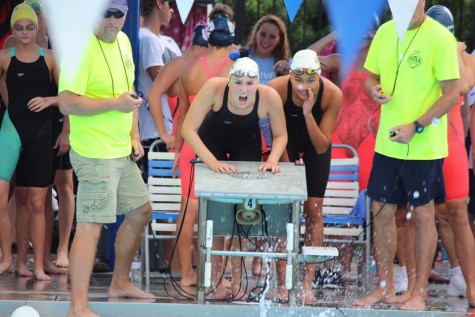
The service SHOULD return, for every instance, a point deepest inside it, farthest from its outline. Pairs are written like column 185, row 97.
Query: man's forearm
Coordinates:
column 449, row 98
column 72, row 104
column 134, row 132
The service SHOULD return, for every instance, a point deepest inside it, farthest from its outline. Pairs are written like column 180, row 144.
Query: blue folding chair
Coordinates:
column 346, row 210
column 165, row 196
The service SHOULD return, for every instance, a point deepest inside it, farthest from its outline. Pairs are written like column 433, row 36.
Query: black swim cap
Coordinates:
column 220, row 32
column 199, row 36
column 442, row 15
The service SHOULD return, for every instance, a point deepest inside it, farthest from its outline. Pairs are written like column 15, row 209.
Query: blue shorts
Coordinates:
column 396, row 181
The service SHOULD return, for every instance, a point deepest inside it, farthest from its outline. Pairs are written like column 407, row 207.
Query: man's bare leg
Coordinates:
column 83, row 252
column 385, row 240
column 400, row 281
column 425, row 245
column 410, row 260
column 127, row 243
column 401, row 219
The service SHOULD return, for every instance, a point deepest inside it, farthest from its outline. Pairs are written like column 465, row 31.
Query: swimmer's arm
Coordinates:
column 194, row 118
column 277, row 123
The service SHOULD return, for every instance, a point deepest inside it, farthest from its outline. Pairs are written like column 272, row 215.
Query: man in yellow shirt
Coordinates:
column 415, row 81
column 105, row 143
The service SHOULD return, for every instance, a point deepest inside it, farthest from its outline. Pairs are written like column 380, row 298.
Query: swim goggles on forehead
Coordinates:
column 249, row 73
column 19, row 28
column 299, row 71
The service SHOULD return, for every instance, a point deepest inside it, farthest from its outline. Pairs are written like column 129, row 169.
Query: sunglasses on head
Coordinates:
column 300, row 71
column 219, row 15
column 29, row 27
column 115, row 14
column 250, row 73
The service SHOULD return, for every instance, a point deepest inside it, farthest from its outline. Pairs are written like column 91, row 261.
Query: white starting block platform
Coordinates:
column 323, row 251
column 317, row 254
column 259, row 204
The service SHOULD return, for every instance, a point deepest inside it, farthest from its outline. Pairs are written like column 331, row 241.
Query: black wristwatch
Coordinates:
column 419, row 127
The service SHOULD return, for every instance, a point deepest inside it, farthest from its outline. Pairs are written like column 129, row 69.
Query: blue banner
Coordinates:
column 352, row 20
column 293, row 7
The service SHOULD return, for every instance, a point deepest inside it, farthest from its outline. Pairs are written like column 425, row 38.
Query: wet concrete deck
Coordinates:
column 52, row 298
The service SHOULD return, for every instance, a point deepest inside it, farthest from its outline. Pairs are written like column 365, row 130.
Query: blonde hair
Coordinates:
column 282, row 50
column 221, row 9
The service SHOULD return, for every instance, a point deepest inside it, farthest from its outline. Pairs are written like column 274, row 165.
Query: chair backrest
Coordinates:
column 160, row 164
column 164, row 189
column 343, row 187
column 341, row 225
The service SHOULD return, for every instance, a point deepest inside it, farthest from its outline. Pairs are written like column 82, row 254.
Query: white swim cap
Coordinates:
column 244, row 67
column 305, row 62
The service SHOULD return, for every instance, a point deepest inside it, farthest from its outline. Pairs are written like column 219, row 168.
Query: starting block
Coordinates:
column 264, row 204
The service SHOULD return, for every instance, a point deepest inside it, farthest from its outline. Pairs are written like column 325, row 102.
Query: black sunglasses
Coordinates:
column 219, row 15
column 115, row 14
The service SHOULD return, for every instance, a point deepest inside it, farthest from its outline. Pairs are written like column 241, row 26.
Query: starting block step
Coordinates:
column 322, row 251
column 317, row 254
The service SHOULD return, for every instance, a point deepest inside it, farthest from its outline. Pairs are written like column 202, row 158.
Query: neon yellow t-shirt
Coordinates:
column 426, row 56
column 106, row 71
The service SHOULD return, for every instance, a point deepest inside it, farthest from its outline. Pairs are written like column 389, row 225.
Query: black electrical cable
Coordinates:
column 185, row 295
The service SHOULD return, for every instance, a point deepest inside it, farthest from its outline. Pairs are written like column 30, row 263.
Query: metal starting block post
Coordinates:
column 264, row 204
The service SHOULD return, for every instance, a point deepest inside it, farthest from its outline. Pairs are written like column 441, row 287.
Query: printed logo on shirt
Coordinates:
column 227, row 122
column 129, row 64
column 265, row 77
column 415, row 59
column 18, row 75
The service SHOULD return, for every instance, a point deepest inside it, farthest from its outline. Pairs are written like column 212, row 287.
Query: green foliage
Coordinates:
column 311, row 22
